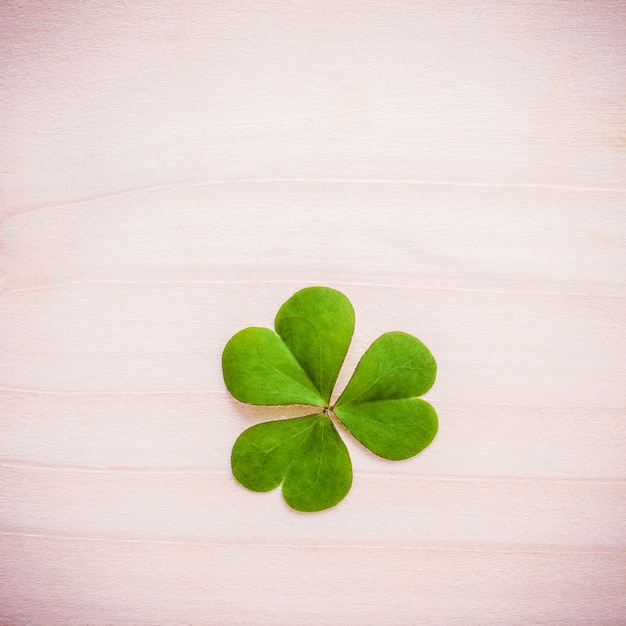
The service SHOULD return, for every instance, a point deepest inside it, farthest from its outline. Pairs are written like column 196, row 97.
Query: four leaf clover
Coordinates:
column 298, row 363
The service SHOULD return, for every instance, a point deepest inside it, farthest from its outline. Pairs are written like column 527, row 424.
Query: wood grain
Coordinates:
column 178, row 582
column 172, row 172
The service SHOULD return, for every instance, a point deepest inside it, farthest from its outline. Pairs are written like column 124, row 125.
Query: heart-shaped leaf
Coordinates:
column 306, row 454
column 379, row 406
column 300, row 362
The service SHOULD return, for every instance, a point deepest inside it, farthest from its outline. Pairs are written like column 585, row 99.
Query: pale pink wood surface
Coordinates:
column 172, row 172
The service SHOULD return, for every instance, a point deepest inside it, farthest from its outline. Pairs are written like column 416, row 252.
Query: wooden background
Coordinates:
column 172, row 171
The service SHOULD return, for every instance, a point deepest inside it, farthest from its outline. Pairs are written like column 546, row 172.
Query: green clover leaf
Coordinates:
column 298, row 363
